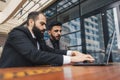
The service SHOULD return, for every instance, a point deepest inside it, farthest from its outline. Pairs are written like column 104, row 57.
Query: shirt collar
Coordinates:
column 33, row 35
column 54, row 41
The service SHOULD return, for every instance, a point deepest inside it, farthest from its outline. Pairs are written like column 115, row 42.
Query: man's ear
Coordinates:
column 49, row 32
column 31, row 22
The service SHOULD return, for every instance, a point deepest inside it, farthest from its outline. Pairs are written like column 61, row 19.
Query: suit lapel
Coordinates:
column 49, row 43
column 60, row 44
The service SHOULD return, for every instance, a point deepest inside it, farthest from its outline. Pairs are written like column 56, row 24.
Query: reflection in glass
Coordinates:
column 50, row 11
column 94, row 34
column 72, row 39
column 46, row 35
column 63, row 4
column 71, row 34
column 67, row 73
column 79, row 48
column 112, row 22
column 68, row 15
column 71, row 26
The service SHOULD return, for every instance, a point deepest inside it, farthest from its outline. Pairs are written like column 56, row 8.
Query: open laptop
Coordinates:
column 106, row 57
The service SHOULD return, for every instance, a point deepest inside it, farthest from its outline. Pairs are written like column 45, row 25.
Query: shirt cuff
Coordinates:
column 66, row 59
column 69, row 53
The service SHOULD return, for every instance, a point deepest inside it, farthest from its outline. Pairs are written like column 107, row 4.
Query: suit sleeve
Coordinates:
column 57, row 51
column 45, row 47
column 23, row 45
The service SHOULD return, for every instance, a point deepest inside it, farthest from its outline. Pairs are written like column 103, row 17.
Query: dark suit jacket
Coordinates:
column 20, row 50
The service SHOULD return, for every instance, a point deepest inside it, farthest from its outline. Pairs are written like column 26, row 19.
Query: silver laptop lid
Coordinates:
column 109, row 48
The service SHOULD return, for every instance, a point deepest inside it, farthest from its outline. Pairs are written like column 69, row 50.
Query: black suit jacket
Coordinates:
column 20, row 50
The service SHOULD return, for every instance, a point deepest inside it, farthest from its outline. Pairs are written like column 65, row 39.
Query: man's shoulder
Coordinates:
column 47, row 40
column 18, row 30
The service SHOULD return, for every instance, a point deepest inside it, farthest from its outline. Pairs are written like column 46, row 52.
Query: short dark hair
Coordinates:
column 33, row 15
column 54, row 23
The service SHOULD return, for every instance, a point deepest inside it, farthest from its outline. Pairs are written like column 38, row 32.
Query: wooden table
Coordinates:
column 66, row 72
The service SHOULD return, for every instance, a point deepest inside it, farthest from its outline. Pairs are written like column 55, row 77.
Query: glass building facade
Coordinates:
column 88, row 32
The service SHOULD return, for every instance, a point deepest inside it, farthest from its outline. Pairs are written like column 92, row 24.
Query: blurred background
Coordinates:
column 87, row 24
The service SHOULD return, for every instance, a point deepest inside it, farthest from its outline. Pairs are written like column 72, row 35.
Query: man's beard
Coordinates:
column 39, row 37
column 54, row 38
column 38, row 34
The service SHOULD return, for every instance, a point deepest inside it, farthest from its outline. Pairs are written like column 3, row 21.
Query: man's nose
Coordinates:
column 59, row 32
column 44, row 27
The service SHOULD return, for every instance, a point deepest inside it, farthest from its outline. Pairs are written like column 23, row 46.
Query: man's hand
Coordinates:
column 82, row 57
column 75, row 53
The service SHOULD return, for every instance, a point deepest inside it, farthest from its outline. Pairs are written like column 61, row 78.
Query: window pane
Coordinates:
column 79, row 48
column 69, row 15
column 94, row 33
column 65, row 4
column 72, row 39
column 62, row 4
column 51, row 11
column 71, row 26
